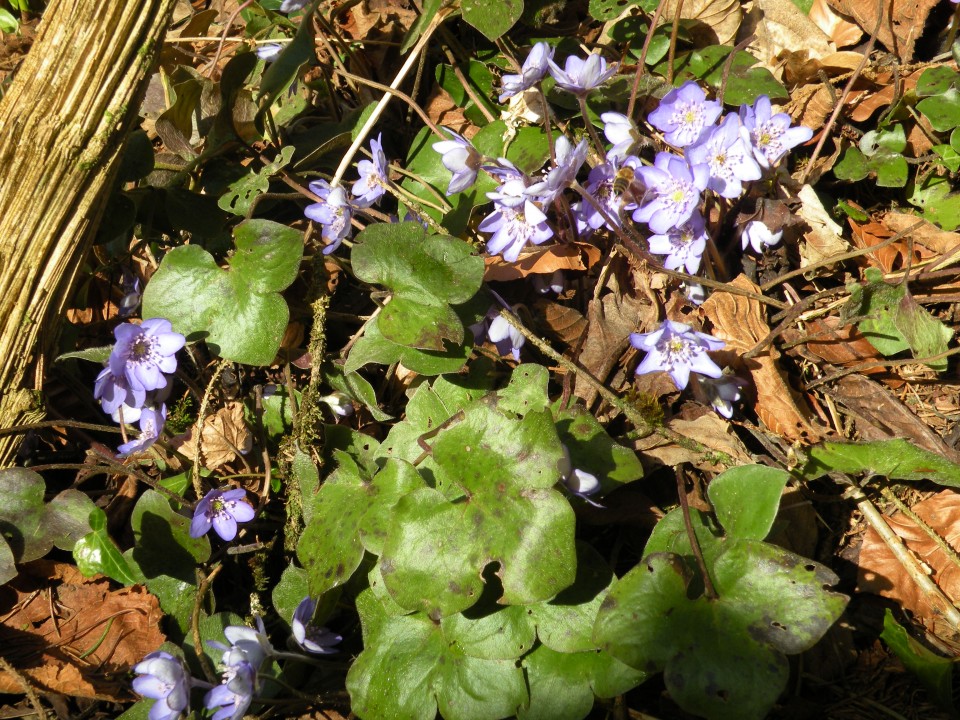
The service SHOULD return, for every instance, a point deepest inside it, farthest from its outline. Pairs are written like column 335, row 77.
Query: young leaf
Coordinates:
column 96, row 553
column 745, row 499
column 492, row 17
column 897, row 459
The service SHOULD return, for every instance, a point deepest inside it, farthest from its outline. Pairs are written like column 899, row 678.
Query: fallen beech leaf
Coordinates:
column 780, row 25
column 901, row 26
column 563, row 323
column 841, row 32
column 881, row 573
column 717, row 20
column 710, row 430
column 224, row 435
column 837, row 344
column 869, row 104
column 824, row 239
column 928, row 235
column 89, row 646
column 889, row 257
column 739, row 322
column 542, row 261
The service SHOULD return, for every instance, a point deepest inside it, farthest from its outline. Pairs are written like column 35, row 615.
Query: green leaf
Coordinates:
column 357, row 388
column 8, row 23
column 238, row 311
column 8, row 564
column 936, row 80
column 430, row 9
column 373, row 347
column 282, row 72
column 745, row 499
column 242, row 193
column 745, row 82
column 163, row 543
column 939, row 205
column 503, row 469
column 494, row 633
column 934, row 671
column 852, row 165
column 480, row 77
column 893, row 139
column 31, row 527
column 943, row 111
column 277, row 411
column 606, row 10
column 595, row 452
column 492, row 17
column 98, row 355
column 96, row 552
column 563, row 685
column 426, row 274
column 409, row 669
column 891, row 168
column 349, row 513
column 895, row 459
column 723, row 657
column 948, row 156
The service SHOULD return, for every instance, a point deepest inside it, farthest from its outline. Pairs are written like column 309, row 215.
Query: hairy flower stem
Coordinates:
column 590, row 128
column 201, row 416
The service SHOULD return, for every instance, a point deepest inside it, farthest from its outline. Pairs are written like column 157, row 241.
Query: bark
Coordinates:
column 62, row 125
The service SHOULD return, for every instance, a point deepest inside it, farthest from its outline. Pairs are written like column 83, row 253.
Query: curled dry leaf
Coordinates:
column 824, row 238
column 828, row 340
column 780, row 25
column 901, row 25
column 881, row 573
column 709, row 430
column 562, row 323
column 717, row 21
column 840, row 31
column 83, row 644
column 889, row 257
column 928, row 235
column 739, row 322
column 542, row 261
column 869, row 104
column 225, row 435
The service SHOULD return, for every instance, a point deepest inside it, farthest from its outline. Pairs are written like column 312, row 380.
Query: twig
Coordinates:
column 938, row 601
column 382, row 105
column 708, row 589
column 27, row 689
column 208, row 669
column 642, row 62
column 672, row 51
column 919, row 522
column 14, row 429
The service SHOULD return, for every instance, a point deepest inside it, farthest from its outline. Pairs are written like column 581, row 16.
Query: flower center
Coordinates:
column 143, row 349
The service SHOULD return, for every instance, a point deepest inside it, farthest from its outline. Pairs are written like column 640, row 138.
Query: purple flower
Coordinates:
column 729, row 158
column 621, row 131
column 132, row 293
column 578, row 482
column 757, row 235
column 683, row 245
column 312, row 638
column 532, row 72
column 151, row 423
column 235, row 694
column 721, row 392
column 247, row 645
column 770, row 135
column 683, row 113
column 339, row 403
column 111, row 391
column 505, row 336
column 163, row 678
column 288, row 6
column 580, row 76
column 334, row 213
column 677, row 350
column 269, row 52
column 513, row 228
column 673, row 191
column 141, row 356
column 222, row 510
column 559, row 178
column 694, row 292
column 605, row 189
column 373, row 177
column 461, row 158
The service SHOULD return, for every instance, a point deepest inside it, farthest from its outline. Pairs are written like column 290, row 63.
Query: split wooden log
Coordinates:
column 63, row 122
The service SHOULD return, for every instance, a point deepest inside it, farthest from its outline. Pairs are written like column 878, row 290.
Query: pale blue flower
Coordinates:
column 580, row 76
column 151, row 423
column 757, row 235
column 678, row 350
column 683, row 245
column 532, row 72
column 673, row 190
column 221, row 510
column 770, row 135
column 570, row 159
column 310, row 637
column 513, row 228
column 729, row 158
column 334, row 213
column 622, row 132
column 721, row 392
column 288, row 6
column 139, row 362
column 683, row 113
column 505, row 336
column 373, row 177
column 602, row 186
column 268, row 52
column 162, row 677
column 461, row 158
column 234, row 695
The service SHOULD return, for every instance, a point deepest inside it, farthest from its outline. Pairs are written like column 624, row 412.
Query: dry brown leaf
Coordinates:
column 225, row 435
column 780, row 25
column 889, row 257
column 901, row 26
column 869, row 104
column 89, row 646
column 739, row 321
column 824, row 239
column 562, row 323
column 928, row 234
column 709, row 430
column 837, row 344
column 881, row 416
column 442, row 110
column 881, row 573
column 717, row 21
column 841, row 32
column 543, row 261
